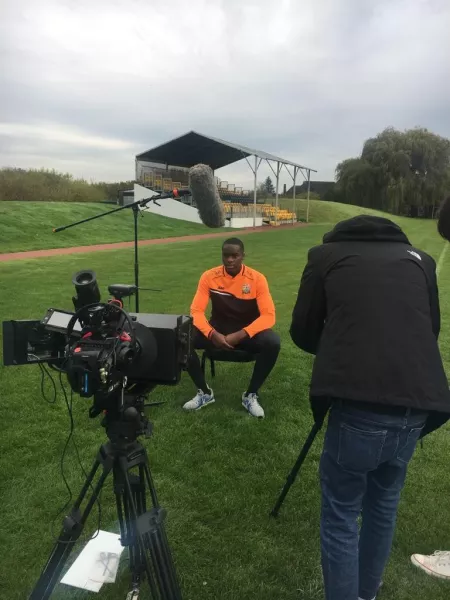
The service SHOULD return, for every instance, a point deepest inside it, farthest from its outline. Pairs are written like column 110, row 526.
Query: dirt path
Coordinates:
column 119, row 245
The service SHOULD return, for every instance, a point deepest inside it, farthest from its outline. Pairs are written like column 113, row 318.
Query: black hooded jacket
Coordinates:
column 368, row 308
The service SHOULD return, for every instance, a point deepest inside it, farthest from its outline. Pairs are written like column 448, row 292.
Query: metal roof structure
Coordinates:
column 193, row 148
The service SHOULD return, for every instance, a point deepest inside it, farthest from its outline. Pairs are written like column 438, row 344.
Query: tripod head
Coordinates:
column 124, row 420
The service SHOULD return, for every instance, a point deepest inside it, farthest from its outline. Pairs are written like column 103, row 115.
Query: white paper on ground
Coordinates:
column 96, row 564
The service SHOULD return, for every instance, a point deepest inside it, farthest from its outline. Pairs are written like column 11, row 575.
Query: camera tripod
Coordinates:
column 141, row 530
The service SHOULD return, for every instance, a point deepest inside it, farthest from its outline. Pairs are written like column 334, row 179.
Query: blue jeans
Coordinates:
column 362, row 469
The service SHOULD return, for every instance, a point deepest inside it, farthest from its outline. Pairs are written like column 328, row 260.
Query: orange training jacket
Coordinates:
column 240, row 302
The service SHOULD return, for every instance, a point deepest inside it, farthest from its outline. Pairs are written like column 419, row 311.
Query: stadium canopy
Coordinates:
column 193, row 148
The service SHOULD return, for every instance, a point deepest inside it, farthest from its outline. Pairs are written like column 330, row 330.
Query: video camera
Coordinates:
column 108, row 354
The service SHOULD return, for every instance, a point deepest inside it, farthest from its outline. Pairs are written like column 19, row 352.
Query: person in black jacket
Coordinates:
column 368, row 308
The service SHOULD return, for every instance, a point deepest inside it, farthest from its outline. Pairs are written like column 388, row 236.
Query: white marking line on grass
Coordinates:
column 441, row 259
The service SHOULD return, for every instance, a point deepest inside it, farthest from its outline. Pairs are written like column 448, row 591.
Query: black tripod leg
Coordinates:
column 149, row 537
column 157, row 539
column 295, row 469
column 72, row 527
column 124, row 523
column 138, row 558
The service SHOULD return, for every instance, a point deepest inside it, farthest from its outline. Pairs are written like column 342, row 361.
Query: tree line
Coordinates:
column 400, row 172
column 43, row 185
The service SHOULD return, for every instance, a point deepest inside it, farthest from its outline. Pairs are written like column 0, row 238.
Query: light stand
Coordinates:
column 135, row 208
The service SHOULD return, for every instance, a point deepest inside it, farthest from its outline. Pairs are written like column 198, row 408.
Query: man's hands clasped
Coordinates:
column 228, row 342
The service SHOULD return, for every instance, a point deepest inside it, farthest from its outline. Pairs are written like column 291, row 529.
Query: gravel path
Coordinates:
column 119, row 245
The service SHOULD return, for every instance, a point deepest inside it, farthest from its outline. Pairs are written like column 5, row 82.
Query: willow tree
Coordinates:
column 398, row 172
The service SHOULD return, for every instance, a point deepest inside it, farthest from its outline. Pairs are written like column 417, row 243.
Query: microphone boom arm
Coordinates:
column 132, row 205
column 135, row 208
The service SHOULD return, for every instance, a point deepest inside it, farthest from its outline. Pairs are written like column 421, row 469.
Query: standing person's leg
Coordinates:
column 348, row 454
column 205, row 394
column 380, row 505
column 266, row 345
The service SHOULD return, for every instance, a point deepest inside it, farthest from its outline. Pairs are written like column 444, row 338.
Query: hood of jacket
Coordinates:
column 366, row 228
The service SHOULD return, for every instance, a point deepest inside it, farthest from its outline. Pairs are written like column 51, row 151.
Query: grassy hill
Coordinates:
column 332, row 212
column 28, row 225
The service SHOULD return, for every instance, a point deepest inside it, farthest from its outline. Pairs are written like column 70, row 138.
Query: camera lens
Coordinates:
column 86, row 286
column 84, row 278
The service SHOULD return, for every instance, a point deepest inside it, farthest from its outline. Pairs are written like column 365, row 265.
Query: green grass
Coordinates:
column 330, row 212
column 29, row 225
column 218, row 472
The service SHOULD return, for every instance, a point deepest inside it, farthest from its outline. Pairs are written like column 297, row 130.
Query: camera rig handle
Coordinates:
column 121, row 290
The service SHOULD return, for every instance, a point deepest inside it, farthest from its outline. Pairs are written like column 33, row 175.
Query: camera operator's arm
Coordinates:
column 309, row 312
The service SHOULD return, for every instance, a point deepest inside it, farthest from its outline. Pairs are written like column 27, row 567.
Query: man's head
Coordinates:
column 232, row 255
column 444, row 219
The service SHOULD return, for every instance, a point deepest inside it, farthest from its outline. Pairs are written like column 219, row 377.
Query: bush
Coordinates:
column 50, row 186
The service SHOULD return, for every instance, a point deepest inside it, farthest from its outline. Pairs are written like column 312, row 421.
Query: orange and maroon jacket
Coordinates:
column 240, row 302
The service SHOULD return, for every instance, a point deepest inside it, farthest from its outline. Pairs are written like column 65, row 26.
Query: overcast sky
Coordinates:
column 85, row 85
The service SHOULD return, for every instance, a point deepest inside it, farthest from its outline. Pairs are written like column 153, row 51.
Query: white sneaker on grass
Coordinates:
column 437, row 564
column 200, row 400
column 252, row 404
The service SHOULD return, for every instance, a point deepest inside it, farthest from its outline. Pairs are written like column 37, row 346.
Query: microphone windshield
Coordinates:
column 206, row 195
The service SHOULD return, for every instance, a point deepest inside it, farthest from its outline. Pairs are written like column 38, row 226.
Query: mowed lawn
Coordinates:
column 218, row 472
column 29, row 225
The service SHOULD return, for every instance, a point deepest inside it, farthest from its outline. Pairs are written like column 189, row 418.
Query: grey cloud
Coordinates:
column 308, row 81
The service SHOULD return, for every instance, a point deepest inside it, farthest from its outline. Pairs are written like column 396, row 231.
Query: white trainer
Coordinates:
column 253, row 406
column 200, row 400
column 437, row 564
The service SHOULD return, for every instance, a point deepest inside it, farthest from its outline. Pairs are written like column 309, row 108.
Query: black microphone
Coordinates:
column 206, row 195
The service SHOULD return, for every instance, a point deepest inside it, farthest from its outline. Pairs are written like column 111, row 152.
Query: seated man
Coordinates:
column 242, row 316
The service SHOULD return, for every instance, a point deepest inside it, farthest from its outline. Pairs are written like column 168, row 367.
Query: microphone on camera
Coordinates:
column 204, row 192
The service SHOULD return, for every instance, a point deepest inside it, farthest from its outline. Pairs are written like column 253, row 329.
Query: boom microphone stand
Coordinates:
column 135, row 208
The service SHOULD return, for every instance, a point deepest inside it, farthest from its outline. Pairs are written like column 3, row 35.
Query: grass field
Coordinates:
column 218, row 472
column 29, row 225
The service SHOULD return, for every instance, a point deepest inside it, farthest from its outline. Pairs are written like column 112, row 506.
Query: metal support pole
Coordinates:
column 276, row 190
column 307, row 197
column 255, row 184
column 254, row 192
column 294, row 212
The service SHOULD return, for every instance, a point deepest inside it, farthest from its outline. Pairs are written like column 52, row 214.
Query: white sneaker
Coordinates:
column 251, row 403
column 200, row 400
column 437, row 564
